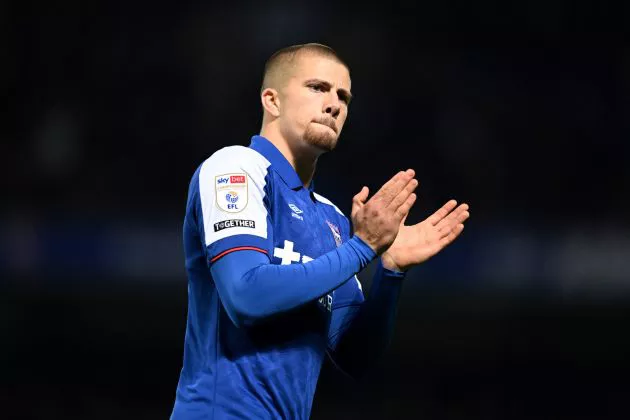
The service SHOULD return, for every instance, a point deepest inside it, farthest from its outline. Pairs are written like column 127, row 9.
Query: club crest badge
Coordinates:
column 231, row 192
column 335, row 231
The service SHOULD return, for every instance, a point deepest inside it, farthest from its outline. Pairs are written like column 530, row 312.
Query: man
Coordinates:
column 271, row 264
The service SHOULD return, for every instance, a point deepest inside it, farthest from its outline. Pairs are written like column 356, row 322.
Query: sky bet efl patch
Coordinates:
column 231, row 191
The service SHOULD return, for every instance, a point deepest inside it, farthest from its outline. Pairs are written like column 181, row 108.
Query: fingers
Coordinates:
column 404, row 194
column 387, row 186
column 436, row 217
column 403, row 210
column 459, row 215
column 449, row 227
column 452, row 235
column 463, row 216
column 395, row 185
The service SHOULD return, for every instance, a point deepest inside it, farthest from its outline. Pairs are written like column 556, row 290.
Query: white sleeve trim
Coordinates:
column 231, row 190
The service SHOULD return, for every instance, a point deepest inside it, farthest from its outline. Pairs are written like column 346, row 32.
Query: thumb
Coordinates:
column 359, row 199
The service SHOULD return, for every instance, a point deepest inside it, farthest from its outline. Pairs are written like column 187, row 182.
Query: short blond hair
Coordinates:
column 282, row 60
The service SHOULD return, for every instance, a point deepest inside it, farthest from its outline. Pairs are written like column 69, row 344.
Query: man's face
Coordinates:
column 315, row 101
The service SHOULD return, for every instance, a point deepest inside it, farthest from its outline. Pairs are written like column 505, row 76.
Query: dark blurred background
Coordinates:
column 520, row 110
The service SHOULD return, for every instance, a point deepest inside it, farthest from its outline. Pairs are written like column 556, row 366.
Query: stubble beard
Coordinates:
column 323, row 139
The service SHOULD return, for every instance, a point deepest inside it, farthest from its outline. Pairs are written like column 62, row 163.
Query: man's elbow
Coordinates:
column 242, row 308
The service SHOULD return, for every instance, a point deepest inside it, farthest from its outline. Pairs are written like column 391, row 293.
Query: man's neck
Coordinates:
column 302, row 160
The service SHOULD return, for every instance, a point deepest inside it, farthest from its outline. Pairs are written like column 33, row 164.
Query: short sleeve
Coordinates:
column 235, row 204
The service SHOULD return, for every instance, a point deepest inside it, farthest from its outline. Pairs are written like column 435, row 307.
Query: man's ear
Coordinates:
column 270, row 101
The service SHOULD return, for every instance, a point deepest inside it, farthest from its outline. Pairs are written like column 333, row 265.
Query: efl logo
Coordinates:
column 232, row 198
column 231, row 192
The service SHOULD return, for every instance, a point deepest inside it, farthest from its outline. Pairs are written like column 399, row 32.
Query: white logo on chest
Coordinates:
column 296, row 212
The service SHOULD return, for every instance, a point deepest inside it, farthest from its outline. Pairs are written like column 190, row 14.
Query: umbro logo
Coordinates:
column 296, row 212
column 295, row 208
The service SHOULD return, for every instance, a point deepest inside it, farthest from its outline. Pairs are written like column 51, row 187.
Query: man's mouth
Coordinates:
column 332, row 127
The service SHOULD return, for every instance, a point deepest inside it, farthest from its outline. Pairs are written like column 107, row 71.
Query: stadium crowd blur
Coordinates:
column 114, row 105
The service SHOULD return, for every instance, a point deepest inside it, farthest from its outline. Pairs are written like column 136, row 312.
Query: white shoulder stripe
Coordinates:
column 324, row 200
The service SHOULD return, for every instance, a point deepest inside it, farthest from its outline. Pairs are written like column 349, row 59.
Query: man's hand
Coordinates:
column 416, row 244
column 377, row 221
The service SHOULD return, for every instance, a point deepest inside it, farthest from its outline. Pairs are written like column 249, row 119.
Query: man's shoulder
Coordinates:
column 233, row 160
column 236, row 156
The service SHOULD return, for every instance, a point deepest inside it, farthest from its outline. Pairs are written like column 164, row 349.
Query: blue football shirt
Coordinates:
column 251, row 199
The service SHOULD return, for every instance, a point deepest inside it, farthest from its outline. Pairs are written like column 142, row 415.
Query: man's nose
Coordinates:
column 333, row 109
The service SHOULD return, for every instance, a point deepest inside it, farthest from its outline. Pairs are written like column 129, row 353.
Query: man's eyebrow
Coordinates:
column 345, row 94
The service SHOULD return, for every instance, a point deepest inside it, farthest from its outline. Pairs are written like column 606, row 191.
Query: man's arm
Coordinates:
column 361, row 331
column 251, row 289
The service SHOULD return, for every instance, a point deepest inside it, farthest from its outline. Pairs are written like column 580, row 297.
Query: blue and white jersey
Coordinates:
column 251, row 198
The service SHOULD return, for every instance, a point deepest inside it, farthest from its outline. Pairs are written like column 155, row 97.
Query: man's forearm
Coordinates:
column 251, row 289
column 370, row 333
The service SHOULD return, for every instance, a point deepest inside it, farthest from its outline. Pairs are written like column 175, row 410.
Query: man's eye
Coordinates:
column 317, row 88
